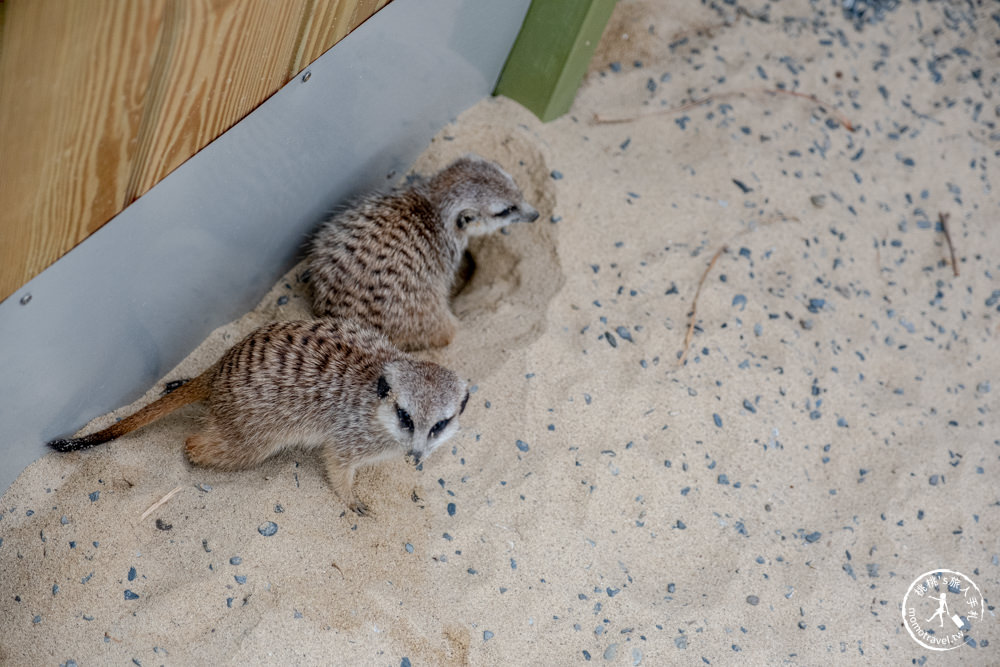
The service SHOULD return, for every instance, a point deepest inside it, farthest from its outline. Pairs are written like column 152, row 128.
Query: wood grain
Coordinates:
column 101, row 99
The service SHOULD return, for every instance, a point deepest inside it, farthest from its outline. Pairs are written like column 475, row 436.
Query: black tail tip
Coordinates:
column 62, row 444
column 74, row 444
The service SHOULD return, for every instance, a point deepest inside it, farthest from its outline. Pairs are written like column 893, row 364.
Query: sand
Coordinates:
column 765, row 494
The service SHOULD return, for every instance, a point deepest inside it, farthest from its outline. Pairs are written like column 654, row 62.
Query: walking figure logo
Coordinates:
column 954, row 625
column 942, row 608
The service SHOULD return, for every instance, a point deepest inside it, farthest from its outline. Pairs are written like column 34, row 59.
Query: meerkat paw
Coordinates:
column 360, row 508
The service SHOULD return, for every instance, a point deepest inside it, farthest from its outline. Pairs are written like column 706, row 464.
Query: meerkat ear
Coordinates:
column 465, row 401
column 465, row 217
column 383, row 387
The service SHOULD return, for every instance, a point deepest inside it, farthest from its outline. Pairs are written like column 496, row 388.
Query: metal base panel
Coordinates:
column 100, row 326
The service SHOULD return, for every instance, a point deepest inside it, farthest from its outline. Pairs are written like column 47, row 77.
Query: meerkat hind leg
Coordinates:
column 209, row 448
column 206, row 448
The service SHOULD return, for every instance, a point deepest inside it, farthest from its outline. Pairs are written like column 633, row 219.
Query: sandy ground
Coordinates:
column 764, row 494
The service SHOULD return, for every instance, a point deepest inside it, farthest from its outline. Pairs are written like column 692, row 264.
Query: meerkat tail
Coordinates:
column 194, row 390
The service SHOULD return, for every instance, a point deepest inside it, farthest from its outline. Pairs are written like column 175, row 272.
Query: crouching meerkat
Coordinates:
column 390, row 260
column 337, row 386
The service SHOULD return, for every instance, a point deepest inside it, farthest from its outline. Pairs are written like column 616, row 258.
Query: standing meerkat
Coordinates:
column 337, row 386
column 390, row 260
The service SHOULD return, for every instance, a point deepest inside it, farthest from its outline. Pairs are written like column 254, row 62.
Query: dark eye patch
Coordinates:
column 404, row 418
column 504, row 213
column 383, row 387
column 437, row 428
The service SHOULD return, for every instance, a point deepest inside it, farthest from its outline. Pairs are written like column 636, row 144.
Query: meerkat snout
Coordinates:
column 417, row 418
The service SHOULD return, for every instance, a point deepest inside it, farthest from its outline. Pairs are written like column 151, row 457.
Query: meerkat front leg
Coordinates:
column 341, row 477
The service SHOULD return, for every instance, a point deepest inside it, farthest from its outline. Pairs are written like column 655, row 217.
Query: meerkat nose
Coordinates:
column 530, row 214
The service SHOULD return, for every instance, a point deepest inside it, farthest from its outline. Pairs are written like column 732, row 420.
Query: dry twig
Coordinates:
column 694, row 305
column 159, row 502
column 943, row 217
column 840, row 118
column 777, row 217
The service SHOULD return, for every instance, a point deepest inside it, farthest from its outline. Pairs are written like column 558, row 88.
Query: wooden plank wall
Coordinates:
column 100, row 99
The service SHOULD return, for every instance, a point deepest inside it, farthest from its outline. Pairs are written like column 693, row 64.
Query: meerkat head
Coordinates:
column 476, row 197
column 419, row 405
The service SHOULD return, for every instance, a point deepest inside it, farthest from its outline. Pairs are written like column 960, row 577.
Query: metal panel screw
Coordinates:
column 25, row 299
column 306, row 76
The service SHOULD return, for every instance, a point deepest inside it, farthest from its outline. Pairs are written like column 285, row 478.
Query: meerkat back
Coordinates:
column 390, row 261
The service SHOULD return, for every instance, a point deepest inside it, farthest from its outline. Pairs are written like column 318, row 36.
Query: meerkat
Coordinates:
column 337, row 386
column 391, row 260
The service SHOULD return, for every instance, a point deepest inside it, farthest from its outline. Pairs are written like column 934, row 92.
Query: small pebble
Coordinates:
column 522, row 445
column 610, row 652
column 267, row 529
column 487, row 635
column 556, row 175
column 129, row 595
column 753, row 600
column 235, row 560
column 816, row 305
